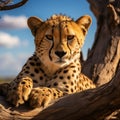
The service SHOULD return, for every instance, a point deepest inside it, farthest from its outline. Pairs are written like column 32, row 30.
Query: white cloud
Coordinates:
column 11, row 64
column 9, row 41
column 13, row 22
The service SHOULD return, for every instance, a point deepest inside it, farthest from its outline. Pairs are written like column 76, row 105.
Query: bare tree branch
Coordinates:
column 3, row 5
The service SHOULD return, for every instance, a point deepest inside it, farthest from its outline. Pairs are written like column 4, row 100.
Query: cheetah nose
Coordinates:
column 60, row 54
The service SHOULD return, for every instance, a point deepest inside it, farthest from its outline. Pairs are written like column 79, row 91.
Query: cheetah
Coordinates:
column 54, row 70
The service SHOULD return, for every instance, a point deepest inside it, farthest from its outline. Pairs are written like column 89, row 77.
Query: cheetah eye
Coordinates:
column 70, row 37
column 49, row 37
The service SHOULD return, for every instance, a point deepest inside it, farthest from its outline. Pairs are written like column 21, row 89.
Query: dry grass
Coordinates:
column 5, row 79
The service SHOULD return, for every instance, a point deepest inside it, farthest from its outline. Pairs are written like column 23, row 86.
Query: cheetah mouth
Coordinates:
column 60, row 61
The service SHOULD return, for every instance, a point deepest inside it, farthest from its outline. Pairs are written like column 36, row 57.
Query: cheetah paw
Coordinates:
column 20, row 93
column 40, row 97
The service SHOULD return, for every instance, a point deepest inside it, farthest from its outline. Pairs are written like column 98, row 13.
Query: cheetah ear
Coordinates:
column 33, row 24
column 84, row 22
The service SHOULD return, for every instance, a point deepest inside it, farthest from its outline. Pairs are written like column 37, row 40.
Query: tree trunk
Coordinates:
column 103, row 58
column 102, row 65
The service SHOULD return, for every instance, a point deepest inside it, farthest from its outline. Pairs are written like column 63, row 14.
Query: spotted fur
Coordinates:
column 54, row 70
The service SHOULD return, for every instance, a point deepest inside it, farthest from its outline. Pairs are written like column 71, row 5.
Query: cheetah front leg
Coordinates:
column 19, row 92
column 42, row 96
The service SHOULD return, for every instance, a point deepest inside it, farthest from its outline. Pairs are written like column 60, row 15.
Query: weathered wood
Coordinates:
column 8, row 112
column 103, row 58
column 4, row 5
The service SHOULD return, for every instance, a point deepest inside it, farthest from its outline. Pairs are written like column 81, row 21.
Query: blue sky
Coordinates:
column 16, row 40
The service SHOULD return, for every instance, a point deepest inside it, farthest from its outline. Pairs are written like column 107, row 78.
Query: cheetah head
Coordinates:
column 59, row 39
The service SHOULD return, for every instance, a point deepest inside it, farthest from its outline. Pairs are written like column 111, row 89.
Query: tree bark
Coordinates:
column 102, row 65
column 4, row 5
column 103, row 58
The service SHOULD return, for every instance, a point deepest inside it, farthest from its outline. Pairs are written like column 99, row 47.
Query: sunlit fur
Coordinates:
column 54, row 70
column 59, row 27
